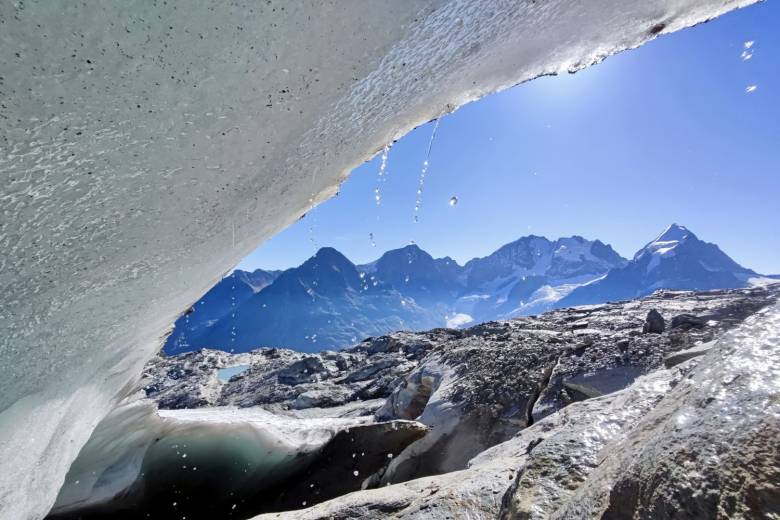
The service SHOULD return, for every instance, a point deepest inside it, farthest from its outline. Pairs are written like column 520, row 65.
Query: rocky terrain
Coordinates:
column 519, row 413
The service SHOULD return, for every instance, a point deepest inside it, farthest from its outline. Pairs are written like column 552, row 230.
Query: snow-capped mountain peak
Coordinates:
column 676, row 259
column 665, row 243
column 674, row 232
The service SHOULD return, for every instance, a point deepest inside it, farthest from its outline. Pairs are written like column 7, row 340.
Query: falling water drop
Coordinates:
column 750, row 88
column 233, row 308
column 424, row 171
column 748, row 44
column 371, row 239
column 381, row 175
column 453, row 201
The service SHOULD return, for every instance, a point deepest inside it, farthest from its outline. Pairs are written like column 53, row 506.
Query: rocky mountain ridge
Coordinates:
column 329, row 303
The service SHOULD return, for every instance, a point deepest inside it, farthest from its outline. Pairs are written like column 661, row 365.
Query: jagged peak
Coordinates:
column 675, row 232
column 326, row 256
column 667, row 241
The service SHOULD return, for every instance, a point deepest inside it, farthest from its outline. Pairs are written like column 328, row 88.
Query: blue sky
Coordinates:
column 664, row 133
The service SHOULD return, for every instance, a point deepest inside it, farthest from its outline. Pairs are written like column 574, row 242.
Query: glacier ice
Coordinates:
column 137, row 448
column 145, row 148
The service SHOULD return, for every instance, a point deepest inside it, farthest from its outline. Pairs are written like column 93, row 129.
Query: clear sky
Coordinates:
column 664, row 133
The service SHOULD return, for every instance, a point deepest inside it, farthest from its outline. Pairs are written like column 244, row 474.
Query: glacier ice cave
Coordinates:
column 146, row 147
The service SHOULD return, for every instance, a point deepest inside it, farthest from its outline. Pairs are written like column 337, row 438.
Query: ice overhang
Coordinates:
column 146, row 147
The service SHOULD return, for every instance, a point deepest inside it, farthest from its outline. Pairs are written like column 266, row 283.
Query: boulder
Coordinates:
column 654, row 323
column 687, row 321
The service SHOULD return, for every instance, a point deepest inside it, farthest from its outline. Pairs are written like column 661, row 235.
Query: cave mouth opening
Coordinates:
column 451, row 191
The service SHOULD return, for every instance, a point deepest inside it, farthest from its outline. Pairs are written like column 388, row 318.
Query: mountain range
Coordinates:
column 329, row 303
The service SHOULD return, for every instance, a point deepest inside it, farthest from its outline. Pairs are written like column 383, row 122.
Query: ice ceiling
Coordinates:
column 146, row 147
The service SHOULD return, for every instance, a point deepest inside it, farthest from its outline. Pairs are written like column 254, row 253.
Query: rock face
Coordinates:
column 495, row 390
column 704, row 450
column 221, row 300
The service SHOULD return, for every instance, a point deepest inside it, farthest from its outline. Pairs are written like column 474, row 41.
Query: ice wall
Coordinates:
column 146, row 147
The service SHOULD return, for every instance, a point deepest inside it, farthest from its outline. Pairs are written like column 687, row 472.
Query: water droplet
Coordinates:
column 746, row 55
column 750, row 88
column 424, row 170
column 381, row 174
column 371, row 238
column 406, row 278
column 453, row 201
column 356, row 473
column 362, row 275
column 748, row 44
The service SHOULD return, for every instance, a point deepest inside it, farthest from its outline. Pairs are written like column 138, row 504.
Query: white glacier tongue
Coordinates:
column 145, row 146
